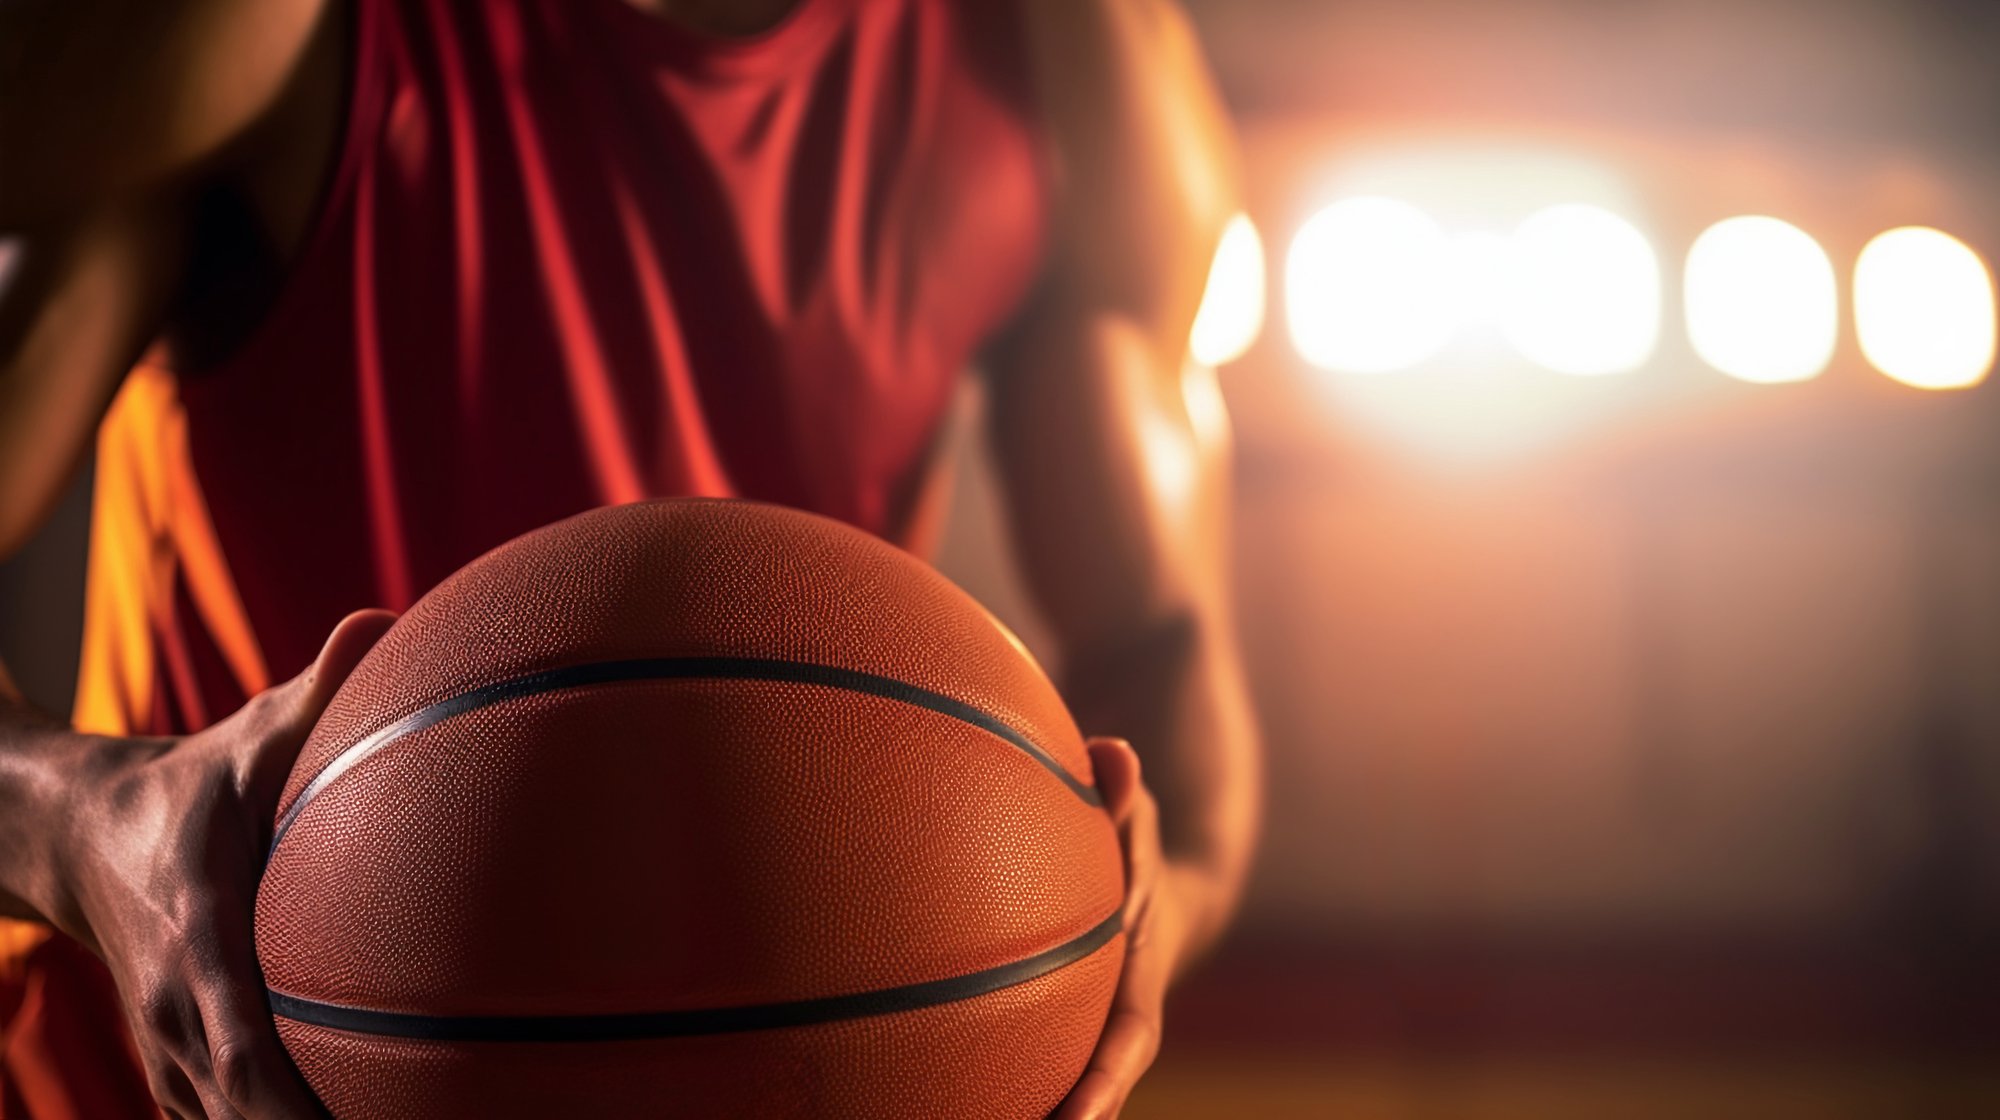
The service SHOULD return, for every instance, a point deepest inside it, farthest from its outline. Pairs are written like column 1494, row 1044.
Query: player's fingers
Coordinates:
column 1115, row 768
column 176, row 1044
column 1131, row 1038
column 351, row 638
column 186, row 1085
column 1130, row 1042
column 1137, row 816
column 247, row 1069
column 251, row 1074
column 214, row 1105
column 282, row 716
column 246, row 1061
column 166, row 1031
column 173, row 1092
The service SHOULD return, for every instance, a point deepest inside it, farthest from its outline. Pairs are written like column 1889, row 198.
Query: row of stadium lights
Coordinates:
column 1374, row 285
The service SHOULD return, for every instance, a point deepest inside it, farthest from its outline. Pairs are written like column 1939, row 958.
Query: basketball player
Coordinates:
column 350, row 291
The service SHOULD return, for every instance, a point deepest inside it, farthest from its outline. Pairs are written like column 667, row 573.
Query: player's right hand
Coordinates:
column 164, row 841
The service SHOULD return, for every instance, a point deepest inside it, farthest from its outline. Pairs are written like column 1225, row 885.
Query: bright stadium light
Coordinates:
column 1762, row 302
column 1485, row 262
column 1582, row 293
column 1923, row 309
column 1232, row 306
column 1370, row 287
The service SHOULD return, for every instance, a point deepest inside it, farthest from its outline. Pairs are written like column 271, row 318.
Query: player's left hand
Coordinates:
column 1155, row 927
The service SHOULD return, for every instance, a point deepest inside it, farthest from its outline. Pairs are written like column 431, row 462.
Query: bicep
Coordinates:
column 1115, row 479
column 1112, row 446
column 1145, row 166
column 110, row 116
column 78, row 303
column 102, row 101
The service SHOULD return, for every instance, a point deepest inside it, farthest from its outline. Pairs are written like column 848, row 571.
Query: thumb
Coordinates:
column 352, row 638
column 1115, row 767
column 285, row 714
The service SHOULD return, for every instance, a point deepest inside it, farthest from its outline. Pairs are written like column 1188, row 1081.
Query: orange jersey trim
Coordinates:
column 149, row 530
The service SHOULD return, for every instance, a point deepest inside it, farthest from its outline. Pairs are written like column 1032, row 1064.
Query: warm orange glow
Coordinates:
column 1208, row 414
column 1762, row 303
column 1923, row 308
column 1232, row 306
column 1369, row 287
column 1581, row 292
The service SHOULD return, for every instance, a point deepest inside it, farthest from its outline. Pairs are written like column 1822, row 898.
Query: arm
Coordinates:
column 1113, row 450
column 112, row 119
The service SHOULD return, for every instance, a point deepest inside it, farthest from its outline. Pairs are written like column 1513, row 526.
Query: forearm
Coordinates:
column 1176, row 690
column 1117, row 497
column 38, row 761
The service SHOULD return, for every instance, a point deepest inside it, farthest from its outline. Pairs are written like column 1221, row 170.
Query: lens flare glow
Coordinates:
column 1232, row 306
column 1485, row 262
column 1923, row 308
column 1369, row 287
column 1583, row 291
column 1762, row 302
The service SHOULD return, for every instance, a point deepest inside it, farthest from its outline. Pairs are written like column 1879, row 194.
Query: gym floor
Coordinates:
column 1388, row 1088
column 1507, row 1043
column 1274, row 1030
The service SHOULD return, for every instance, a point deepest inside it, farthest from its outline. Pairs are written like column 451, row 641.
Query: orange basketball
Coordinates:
column 693, row 808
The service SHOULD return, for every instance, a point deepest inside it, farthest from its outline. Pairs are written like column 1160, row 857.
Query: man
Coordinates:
column 352, row 290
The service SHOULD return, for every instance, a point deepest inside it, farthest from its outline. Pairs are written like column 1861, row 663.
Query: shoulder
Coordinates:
column 101, row 100
column 1145, row 165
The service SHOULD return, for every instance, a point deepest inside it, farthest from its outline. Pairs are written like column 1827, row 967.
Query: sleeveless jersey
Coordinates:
column 568, row 254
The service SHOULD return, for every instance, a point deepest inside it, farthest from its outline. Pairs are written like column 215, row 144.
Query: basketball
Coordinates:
column 693, row 808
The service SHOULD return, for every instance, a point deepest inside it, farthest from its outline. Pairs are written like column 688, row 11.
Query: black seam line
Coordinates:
column 673, row 668
column 633, row 1026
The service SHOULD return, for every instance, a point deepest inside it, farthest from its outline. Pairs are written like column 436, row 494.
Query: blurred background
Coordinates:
column 1621, row 582
column 1618, row 547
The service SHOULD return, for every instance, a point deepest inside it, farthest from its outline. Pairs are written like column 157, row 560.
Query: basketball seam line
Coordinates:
column 672, row 668
column 641, row 1025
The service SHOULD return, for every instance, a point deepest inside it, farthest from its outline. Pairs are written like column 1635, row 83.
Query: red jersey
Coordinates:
column 573, row 255
column 569, row 254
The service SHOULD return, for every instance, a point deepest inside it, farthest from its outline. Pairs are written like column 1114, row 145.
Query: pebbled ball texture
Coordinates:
column 685, row 844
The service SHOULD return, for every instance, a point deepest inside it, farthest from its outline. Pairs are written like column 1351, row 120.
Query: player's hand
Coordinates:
column 1154, row 934
column 165, row 841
